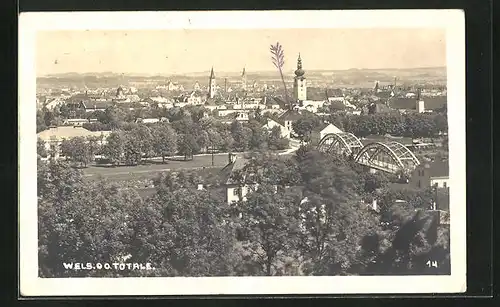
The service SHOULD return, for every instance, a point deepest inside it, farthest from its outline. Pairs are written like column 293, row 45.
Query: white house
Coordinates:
column 159, row 100
column 242, row 116
column 53, row 137
column 434, row 174
column 180, row 104
column 78, row 121
column 226, row 112
column 331, row 128
column 52, row 103
column 195, row 99
column 343, row 100
column 151, row 120
column 289, row 117
column 311, row 105
column 272, row 123
column 235, row 190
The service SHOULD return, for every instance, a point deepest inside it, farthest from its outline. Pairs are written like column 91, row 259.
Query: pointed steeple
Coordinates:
column 299, row 72
column 212, row 75
column 243, row 73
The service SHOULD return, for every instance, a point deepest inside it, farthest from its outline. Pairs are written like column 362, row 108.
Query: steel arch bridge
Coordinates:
column 388, row 156
column 345, row 143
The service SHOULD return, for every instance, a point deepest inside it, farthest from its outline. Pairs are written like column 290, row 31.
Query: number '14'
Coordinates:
column 432, row 263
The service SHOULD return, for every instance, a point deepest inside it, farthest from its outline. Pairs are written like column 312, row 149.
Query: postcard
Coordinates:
column 242, row 152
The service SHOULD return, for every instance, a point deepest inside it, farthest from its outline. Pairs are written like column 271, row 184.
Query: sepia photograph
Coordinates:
column 298, row 152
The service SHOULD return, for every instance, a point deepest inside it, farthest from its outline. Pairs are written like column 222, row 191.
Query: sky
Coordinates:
column 183, row 51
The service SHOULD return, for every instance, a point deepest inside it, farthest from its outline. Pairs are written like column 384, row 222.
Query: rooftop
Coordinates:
column 438, row 168
column 97, row 104
column 226, row 174
column 67, row 132
column 331, row 126
column 290, row 115
column 430, row 103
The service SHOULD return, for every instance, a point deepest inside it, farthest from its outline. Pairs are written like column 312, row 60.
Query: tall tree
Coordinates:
column 164, row 141
column 406, row 248
column 40, row 148
column 91, row 225
column 115, row 117
column 144, row 136
column 185, row 233
column 333, row 219
column 77, row 150
column 332, row 233
column 113, row 150
column 132, row 149
column 269, row 225
column 202, row 139
column 241, row 136
column 227, row 140
column 187, row 145
column 305, row 125
column 40, row 121
column 259, row 117
column 93, row 146
column 276, row 141
column 278, row 59
column 215, row 139
column 258, row 139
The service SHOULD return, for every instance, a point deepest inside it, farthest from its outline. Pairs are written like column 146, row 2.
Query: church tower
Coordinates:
column 299, row 83
column 211, row 84
column 244, row 80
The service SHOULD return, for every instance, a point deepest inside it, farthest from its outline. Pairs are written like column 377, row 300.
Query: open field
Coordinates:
column 152, row 170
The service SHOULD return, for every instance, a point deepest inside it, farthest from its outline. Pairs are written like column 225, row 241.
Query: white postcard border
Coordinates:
column 29, row 23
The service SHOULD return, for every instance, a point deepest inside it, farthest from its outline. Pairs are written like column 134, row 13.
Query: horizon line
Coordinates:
column 227, row 71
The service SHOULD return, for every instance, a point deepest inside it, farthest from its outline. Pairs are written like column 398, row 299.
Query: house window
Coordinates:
column 238, row 192
column 419, row 184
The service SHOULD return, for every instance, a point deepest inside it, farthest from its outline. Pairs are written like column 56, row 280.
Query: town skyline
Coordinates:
column 122, row 52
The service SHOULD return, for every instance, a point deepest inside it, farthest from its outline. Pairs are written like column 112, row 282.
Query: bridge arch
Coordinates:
column 387, row 156
column 344, row 143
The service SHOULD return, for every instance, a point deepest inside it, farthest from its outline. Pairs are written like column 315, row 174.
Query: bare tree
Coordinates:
column 278, row 59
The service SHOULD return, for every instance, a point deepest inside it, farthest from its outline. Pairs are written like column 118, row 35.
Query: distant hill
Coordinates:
column 109, row 74
column 350, row 77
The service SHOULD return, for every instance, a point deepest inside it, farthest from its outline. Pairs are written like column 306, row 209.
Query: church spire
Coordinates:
column 211, row 84
column 299, row 72
column 299, row 83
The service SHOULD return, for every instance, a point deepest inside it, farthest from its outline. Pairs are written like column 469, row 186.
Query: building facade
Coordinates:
column 212, row 86
column 299, row 83
column 434, row 174
column 53, row 137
